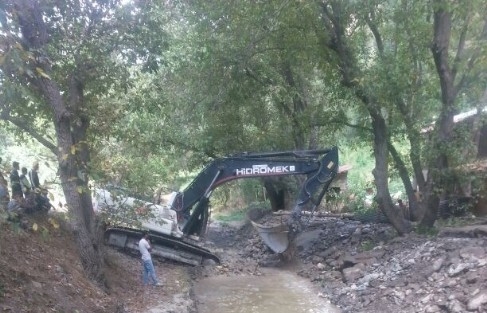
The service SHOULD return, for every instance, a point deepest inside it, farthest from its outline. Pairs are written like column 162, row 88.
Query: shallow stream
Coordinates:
column 276, row 291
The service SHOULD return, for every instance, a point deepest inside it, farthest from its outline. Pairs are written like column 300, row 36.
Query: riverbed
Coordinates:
column 275, row 291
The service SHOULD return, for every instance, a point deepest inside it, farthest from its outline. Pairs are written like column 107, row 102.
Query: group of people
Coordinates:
column 24, row 183
column 26, row 191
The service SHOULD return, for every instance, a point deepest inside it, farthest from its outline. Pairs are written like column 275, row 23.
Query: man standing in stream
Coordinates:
column 148, row 272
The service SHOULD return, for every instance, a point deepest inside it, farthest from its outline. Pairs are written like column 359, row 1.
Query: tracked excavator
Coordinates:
column 176, row 226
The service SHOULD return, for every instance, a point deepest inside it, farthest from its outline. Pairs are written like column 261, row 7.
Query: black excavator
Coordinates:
column 174, row 226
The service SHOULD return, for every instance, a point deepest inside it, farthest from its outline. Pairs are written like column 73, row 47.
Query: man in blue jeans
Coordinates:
column 148, row 272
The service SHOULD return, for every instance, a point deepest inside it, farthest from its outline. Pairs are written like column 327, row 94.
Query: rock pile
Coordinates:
column 365, row 267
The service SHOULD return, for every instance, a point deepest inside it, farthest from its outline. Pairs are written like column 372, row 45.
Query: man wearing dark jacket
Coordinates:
column 42, row 201
column 15, row 181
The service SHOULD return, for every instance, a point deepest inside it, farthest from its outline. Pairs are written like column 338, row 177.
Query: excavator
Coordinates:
column 176, row 226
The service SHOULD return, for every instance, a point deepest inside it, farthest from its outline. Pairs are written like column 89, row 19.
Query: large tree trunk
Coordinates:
column 417, row 211
column 70, row 127
column 381, row 174
column 413, row 212
column 404, row 174
column 444, row 125
column 334, row 21
column 74, row 183
column 414, row 137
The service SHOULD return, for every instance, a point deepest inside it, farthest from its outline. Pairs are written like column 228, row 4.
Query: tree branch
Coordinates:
column 375, row 31
column 472, row 60
column 460, row 48
column 185, row 146
column 367, row 129
column 21, row 124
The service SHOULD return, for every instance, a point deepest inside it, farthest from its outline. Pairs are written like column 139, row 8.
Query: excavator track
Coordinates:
column 168, row 247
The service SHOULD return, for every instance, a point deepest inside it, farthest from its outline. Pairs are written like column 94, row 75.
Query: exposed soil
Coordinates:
column 360, row 267
column 40, row 271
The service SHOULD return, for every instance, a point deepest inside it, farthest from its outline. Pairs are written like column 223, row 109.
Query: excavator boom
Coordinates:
column 190, row 208
column 319, row 167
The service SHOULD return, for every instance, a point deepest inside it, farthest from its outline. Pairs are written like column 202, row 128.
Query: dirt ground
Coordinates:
column 40, row 271
column 360, row 267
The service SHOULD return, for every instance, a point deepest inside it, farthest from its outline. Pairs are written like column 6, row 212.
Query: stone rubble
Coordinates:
column 366, row 267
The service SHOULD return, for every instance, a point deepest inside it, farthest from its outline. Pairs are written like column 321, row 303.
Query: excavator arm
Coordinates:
column 191, row 205
column 319, row 167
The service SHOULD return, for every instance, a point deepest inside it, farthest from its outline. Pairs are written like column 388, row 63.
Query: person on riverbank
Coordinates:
column 41, row 193
column 148, row 272
column 15, row 181
column 24, row 182
column 4, row 195
column 34, row 176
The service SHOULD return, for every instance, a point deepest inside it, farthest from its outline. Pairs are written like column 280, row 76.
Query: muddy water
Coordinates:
column 274, row 292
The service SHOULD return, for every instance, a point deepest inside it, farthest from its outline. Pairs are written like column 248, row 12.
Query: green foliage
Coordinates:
column 454, row 221
column 252, row 190
column 360, row 157
column 239, row 98
column 3, row 140
column 239, row 214
column 92, row 48
column 428, row 231
column 363, row 205
column 230, row 202
column 169, row 87
column 233, row 216
column 237, row 195
column 367, row 245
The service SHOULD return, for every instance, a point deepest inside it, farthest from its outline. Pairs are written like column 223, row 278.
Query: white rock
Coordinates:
column 475, row 303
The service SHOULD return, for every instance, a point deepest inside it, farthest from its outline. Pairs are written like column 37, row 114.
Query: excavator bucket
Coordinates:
column 275, row 237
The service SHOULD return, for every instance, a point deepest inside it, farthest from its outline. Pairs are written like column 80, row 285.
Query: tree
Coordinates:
column 468, row 25
column 257, row 84
column 57, row 61
column 337, row 17
column 393, row 72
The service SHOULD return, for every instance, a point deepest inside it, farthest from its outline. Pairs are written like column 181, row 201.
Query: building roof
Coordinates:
column 457, row 118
